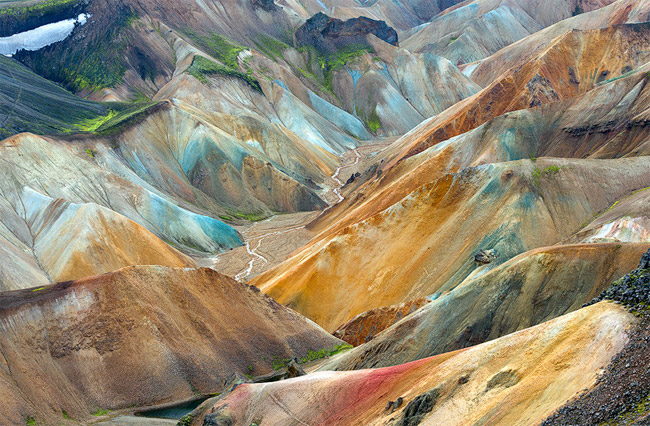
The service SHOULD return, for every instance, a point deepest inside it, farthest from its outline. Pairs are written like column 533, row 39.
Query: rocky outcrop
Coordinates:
column 364, row 327
column 417, row 409
column 329, row 34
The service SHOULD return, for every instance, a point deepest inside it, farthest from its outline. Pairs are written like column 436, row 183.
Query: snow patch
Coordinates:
column 40, row 37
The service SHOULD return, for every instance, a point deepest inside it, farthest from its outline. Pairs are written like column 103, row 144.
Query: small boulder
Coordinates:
column 485, row 256
column 394, row 405
column 294, row 370
column 234, row 380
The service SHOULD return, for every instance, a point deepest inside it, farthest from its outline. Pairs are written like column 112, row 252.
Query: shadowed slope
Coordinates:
column 138, row 336
column 28, row 101
column 516, row 380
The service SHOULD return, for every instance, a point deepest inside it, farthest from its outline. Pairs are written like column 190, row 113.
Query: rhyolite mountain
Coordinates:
column 432, row 212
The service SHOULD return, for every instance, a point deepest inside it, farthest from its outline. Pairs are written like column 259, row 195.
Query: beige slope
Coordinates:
column 94, row 240
column 627, row 220
column 517, row 380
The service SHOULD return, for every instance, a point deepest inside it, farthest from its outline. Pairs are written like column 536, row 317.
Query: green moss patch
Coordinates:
column 373, row 122
column 271, row 47
column 202, row 68
column 253, row 217
column 278, row 363
column 122, row 114
column 219, row 47
column 43, row 8
column 538, row 173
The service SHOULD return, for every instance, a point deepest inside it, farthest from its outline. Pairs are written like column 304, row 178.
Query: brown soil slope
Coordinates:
column 365, row 326
column 135, row 337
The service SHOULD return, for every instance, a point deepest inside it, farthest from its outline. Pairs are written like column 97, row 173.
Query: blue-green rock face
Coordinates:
column 189, row 229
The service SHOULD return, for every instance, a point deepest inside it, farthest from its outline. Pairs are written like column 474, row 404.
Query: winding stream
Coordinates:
column 255, row 256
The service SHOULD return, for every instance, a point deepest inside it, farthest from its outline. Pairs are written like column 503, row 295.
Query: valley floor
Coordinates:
column 271, row 241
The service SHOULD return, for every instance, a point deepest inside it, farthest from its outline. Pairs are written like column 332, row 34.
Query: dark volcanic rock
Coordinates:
column 329, row 34
column 218, row 419
column 415, row 412
column 234, row 380
column 633, row 290
column 268, row 5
